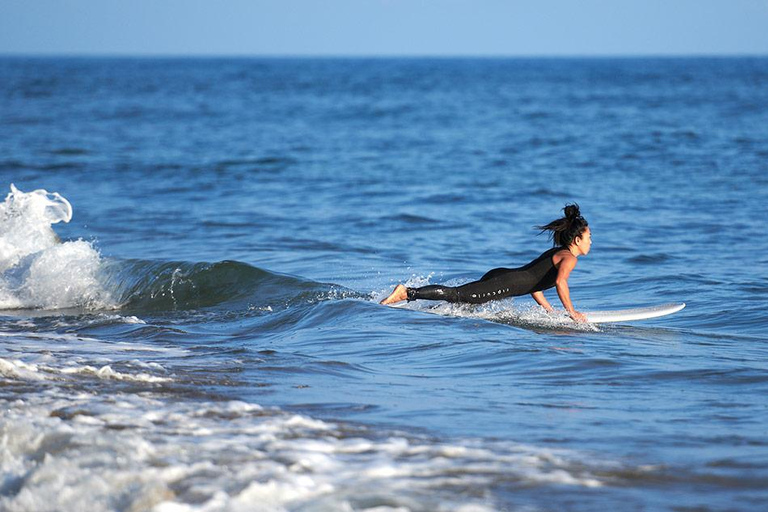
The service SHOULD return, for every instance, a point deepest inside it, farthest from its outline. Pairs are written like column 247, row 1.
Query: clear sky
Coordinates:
column 384, row 27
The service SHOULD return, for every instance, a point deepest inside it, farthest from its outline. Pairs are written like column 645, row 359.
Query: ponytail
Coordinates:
column 565, row 230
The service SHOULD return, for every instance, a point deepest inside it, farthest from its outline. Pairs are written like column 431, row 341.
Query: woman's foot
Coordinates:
column 399, row 294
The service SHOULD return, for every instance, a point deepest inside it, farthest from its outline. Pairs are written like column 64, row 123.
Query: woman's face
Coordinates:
column 584, row 242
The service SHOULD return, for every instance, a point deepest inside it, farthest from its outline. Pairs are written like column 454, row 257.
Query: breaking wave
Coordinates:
column 39, row 271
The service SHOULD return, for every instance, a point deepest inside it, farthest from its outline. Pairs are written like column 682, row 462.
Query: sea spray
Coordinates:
column 25, row 223
column 37, row 270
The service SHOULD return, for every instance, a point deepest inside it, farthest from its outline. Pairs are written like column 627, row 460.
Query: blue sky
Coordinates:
column 384, row 27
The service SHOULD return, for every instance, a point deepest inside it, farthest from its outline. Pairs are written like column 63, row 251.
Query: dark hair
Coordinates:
column 565, row 230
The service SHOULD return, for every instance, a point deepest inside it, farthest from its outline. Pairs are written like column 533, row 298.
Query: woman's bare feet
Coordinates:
column 399, row 294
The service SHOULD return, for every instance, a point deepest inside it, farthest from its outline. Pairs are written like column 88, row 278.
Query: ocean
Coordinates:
column 204, row 333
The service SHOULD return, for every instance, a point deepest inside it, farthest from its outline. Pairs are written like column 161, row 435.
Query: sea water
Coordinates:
column 192, row 253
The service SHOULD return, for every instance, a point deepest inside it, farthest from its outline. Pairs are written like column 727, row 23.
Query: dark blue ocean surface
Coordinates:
column 205, row 335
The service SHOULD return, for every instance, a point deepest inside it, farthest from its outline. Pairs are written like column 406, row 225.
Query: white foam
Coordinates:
column 20, row 370
column 132, row 452
column 96, row 319
column 106, row 372
column 37, row 271
column 25, row 223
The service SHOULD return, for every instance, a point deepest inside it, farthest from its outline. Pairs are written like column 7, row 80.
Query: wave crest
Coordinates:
column 162, row 286
column 38, row 271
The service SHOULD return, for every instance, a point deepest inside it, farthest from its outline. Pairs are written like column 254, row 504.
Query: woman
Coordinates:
column 572, row 239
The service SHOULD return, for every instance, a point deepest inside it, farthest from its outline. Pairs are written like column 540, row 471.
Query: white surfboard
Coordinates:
column 627, row 315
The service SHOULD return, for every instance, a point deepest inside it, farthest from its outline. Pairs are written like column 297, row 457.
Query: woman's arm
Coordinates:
column 564, row 268
column 542, row 301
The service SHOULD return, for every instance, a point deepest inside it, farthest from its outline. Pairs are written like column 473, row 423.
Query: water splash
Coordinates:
column 25, row 223
column 37, row 270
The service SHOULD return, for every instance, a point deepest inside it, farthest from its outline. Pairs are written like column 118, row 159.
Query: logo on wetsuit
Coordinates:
column 489, row 294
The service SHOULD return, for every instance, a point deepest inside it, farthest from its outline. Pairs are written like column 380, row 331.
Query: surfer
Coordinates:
column 571, row 237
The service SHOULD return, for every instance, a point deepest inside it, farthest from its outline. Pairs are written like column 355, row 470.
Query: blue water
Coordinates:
column 206, row 336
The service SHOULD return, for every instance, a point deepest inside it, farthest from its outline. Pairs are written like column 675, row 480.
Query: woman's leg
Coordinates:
column 476, row 292
column 431, row 292
column 434, row 292
column 496, row 284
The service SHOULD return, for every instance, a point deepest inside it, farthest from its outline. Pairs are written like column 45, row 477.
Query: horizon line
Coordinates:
column 171, row 55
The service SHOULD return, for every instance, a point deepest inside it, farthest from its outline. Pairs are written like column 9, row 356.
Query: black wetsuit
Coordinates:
column 538, row 275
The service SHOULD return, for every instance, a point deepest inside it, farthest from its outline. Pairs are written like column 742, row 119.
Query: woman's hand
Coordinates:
column 578, row 317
